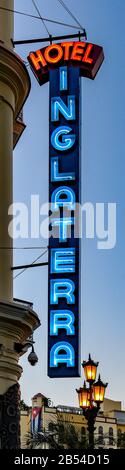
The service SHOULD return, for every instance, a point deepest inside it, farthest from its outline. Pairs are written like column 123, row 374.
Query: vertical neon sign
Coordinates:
column 64, row 250
column 62, row 64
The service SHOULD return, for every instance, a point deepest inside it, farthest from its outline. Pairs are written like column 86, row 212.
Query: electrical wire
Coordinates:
column 22, row 270
column 70, row 13
column 24, row 248
column 37, row 9
column 38, row 18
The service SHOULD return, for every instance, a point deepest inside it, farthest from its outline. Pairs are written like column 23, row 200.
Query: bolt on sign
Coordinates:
column 62, row 65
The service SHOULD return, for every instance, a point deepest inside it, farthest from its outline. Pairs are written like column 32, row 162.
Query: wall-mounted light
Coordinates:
column 22, row 348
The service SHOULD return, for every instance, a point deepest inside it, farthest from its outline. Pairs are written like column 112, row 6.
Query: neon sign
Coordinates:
column 88, row 57
column 63, row 64
column 64, row 252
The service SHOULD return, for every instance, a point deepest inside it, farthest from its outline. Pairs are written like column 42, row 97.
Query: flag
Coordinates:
column 36, row 419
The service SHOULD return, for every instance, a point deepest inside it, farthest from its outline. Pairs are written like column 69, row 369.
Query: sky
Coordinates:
column 103, row 169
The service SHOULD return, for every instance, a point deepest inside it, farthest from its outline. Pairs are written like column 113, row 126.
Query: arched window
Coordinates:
column 119, row 436
column 50, row 427
column 100, row 431
column 111, row 436
column 83, row 431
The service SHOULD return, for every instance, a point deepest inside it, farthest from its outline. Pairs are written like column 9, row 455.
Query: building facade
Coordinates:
column 110, row 422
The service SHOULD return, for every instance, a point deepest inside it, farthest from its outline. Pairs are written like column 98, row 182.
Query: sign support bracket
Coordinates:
column 51, row 38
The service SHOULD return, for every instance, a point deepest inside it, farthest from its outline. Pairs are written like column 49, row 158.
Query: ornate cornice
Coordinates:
column 20, row 317
column 17, row 323
column 14, row 74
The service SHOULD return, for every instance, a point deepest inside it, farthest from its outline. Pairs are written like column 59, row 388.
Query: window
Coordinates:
column 83, row 431
column 51, row 426
column 119, row 436
column 111, row 436
column 100, row 432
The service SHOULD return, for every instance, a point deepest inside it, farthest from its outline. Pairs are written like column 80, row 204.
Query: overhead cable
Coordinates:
column 40, row 16
column 23, row 270
column 23, row 248
column 70, row 13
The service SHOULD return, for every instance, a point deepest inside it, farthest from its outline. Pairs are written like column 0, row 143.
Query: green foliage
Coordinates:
column 121, row 440
column 23, row 406
column 36, row 439
column 63, row 436
column 69, row 438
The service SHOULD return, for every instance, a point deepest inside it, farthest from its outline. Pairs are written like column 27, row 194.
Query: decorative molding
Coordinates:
column 17, row 323
column 14, row 74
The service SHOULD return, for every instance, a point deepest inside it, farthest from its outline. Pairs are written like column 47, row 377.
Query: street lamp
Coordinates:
column 91, row 397
column 90, row 369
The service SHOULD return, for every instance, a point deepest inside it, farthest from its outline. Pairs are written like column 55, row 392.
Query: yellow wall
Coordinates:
column 121, row 427
column 78, row 421
column 110, row 405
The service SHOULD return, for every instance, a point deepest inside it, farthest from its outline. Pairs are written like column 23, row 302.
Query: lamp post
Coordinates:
column 91, row 397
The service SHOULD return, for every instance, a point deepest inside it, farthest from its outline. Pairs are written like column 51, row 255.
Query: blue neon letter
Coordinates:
column 63, row 225
column 62, row 319
column 68, row 357
column 62, row 288
column 58, row 105
column 62, row 260
column 67, row 142
column 68, row 199
column 55, row 175
column 63, row 78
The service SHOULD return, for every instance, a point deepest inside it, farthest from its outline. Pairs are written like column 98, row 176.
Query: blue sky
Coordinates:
column 103, row 169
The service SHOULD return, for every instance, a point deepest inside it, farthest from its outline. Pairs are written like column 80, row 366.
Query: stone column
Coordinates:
column 7, row 23
column 7, row 109
column 17, row 320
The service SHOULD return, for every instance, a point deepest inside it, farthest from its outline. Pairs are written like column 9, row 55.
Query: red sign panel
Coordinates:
column 88, row 57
